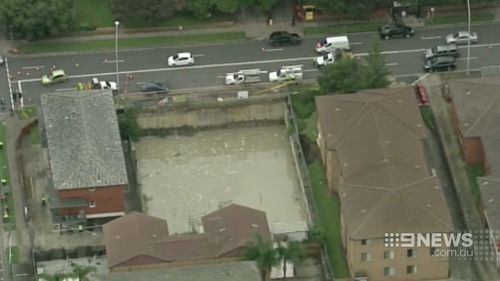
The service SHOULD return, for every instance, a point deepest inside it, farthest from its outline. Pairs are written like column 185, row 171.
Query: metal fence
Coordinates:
column 305, row 182
column 493, row 70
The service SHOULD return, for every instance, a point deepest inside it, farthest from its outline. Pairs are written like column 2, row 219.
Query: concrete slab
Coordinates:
column 183, row 178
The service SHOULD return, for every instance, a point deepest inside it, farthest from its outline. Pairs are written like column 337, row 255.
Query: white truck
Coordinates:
column 287, row 73
column 243, row 77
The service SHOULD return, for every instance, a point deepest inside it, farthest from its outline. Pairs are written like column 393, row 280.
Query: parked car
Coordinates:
column 440, row 63
column 181, row 59
column 282, row 38
column 55, row 76
column 442, row 51
column 392, row 30
column 423, row 98
column 154, row 86
column 462, row 37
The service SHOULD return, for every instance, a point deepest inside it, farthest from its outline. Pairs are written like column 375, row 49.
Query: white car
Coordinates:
column 181, row 59
column 461, row 37
column 325, row 59
column 104, row 84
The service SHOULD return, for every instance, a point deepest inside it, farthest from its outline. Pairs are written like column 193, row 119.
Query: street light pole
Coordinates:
column 468, row 41
column 116, row 56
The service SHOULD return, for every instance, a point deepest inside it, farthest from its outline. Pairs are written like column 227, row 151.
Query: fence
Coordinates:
column 303, row 172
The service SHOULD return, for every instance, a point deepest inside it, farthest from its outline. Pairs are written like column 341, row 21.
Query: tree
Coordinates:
column 376, row 71
column 205, row 8
column 55, row 277
column 37, row 19
column 81, row 272
column 291, row 251
column 263, row 253
column 345, row 76
column 144, row 11
column 128, row 125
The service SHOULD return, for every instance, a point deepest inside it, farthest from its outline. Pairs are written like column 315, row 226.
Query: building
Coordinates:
column 138, row 241
column 87, row 165
column 475, row 111
column 371, row 144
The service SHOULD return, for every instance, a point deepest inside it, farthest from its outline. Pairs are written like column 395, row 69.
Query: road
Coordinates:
column 404, row 57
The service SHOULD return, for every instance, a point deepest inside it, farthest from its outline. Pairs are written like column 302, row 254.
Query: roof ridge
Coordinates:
column 400, row 121
column 347, row 131
column 384, row 150
column 370, row 214
column 480, row 117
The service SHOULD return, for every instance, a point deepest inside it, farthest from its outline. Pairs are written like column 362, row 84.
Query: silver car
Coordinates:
column 461, row 37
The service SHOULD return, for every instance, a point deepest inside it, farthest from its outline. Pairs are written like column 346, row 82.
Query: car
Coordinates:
column 102, row 84
column 462, row 37
column 282, row 38
column 181, row 59
column 154, row 86
column 55, row 76
column 325, row 59
column 330, row 44
column 421, row 93
column 442, row 51
column 392, row 30
column 440, row 63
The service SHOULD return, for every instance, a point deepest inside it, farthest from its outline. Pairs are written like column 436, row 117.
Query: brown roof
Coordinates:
column 224, row 230
column 477, row 103
column 386, row 186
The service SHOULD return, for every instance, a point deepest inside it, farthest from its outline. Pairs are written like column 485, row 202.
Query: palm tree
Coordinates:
column 291, row 251
column 263, row 253
column 81, row 271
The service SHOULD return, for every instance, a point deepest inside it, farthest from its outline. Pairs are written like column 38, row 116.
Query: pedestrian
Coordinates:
column 293, row 21
column 432, row 13
column 2, row 101
column 403, row 13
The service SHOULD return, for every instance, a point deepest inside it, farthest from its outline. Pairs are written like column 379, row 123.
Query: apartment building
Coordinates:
column 371, row 144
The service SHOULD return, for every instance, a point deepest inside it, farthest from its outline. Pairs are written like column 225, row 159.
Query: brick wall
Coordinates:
column 107, row 199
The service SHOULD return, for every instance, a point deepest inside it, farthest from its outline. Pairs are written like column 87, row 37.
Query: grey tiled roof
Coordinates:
column 83, row 139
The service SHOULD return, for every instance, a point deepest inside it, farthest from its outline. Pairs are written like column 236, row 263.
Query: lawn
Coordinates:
column 343, row 28
column 329, row 212
column 460, row 19
column 474, row 171
column 94, row 45
column 35, row 136
column 309, row 127
column 9, row 222
column 26, row 112
column 93, row 12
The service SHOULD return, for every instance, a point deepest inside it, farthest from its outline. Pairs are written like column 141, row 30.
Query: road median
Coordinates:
column 131, row 43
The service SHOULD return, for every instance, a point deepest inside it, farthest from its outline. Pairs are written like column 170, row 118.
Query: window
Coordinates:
column 389, row 271
column 388, row 255
column 365, row 242
column 92, row 204
column 365, row 257
column 410, row 269
column 411, row 253
column 92, row 189
column 432, row 250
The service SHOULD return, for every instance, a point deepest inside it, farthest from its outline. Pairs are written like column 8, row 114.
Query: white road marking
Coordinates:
column 272, row 50
column 430, row 37
column 19, row 87
column 310, row 70
column 220, row 76
column 113, row 61
column 356, row 43
column 472, row 58
column 198, row 55
column 391, row 64
column 65, row 89
column 33, row 67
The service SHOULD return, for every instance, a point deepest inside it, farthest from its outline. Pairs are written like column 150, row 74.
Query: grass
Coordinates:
column 93, row 45
column 14, row 251
column 26, row 112
column 428, row 117
column 329, row 212
column 474, row 171
column 35, row 136
column 93, row 12
column 310, row 127
column 460, row 19
column 343, row 28
column 9, row 223
column 179, row 19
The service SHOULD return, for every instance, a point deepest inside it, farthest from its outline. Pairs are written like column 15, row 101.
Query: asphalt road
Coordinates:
column 404, row 58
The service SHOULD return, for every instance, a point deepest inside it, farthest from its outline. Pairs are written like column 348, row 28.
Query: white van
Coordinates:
column 329, row 44
column 286, row 73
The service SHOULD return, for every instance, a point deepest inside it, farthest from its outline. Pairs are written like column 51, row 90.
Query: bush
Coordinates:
column 87, row 27
column 129, row 128
column 303, row 103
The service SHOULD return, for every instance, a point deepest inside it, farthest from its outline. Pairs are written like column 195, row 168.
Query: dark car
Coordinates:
column 440, row 63
column 391, row 30
column 442, row 51
column 154, row 86
column 282, row 38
